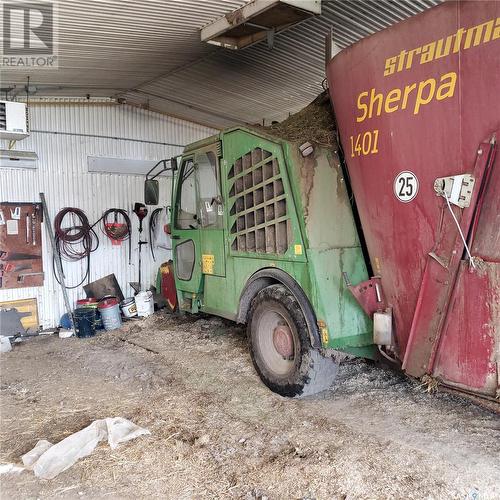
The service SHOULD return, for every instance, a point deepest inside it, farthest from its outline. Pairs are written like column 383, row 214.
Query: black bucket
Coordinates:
column 85, row 319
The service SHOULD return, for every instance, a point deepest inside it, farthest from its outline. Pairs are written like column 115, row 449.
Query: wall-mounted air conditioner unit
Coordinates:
column 13, row 120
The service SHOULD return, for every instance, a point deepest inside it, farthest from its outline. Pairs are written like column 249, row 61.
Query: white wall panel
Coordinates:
column 62, row 175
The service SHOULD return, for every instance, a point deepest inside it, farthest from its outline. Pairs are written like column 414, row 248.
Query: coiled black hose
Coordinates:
column 75, row 241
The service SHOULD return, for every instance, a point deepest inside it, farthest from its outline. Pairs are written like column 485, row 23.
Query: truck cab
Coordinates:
column 262, row 232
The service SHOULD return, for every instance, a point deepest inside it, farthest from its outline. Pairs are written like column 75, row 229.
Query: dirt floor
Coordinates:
column 217, row 432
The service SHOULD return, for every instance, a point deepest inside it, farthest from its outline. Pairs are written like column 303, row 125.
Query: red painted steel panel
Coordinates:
column 439, row 280
column 467, row 353
column 438, row 78
column 486, row 241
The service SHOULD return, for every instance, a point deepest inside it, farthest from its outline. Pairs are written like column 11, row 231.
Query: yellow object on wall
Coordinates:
column 24, row 306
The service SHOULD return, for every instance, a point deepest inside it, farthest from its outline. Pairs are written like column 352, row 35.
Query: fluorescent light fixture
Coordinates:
column 11, row 158
column 125, row 166
column 258, row 20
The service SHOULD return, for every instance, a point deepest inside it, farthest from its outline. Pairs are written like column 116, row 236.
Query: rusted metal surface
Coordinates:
column 417, row 102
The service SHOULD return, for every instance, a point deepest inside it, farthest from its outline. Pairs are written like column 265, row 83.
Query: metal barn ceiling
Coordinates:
column 150, row 54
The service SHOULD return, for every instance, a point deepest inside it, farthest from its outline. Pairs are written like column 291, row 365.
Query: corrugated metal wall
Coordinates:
column 62, row 175
column 150, row 52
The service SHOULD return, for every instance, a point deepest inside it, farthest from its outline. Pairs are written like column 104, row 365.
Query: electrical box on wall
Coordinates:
column 13, row 120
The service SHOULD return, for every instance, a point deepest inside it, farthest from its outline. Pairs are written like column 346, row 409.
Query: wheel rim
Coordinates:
column 276, row 343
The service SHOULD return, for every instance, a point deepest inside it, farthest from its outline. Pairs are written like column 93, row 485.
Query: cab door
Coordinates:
column 198, row 223
column 185, row 231
column 210, row 211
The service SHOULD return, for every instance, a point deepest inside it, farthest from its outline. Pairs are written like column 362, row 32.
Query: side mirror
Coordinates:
column 151, row 192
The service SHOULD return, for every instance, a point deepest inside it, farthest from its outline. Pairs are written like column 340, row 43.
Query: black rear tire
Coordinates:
column 291, row 367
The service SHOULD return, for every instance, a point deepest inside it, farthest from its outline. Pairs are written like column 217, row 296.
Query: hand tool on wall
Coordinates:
column 20, row 243
column 16, row 213
column 22, row 276
column 8, row 268
column 17, row 255
column 28, row 220
column 141, row 211
column 33, row 229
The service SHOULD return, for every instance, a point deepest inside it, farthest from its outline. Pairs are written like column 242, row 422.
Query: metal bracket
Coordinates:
column 368, row 294
column 382, row 328
column 457, row 188
column 270, row 38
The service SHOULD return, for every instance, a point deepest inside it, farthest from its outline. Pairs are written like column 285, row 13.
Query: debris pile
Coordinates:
column 316, row 123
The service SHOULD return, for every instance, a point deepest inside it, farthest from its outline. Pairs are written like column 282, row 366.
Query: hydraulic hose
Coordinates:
column 75, row 241
column 78, row 239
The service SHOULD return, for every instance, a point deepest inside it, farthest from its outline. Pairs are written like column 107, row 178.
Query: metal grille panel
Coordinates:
column 259, row 216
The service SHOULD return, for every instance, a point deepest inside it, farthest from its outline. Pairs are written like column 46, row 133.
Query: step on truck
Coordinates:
column 387, row 247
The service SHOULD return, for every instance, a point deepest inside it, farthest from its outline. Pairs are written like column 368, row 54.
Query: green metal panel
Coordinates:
column 212, row 252
column 334, row 304
column 221, row 296
column 202, row 143
column 333, row 245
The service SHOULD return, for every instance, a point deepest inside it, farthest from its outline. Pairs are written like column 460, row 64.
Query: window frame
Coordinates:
column 212, row 148
column 178, row 197
column 185, row 242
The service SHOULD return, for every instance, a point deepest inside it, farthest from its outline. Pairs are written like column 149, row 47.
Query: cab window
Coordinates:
column 209, row 199
column 186, row 217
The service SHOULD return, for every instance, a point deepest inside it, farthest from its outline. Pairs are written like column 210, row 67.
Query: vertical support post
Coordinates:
column 331, row 48
column 57, row 258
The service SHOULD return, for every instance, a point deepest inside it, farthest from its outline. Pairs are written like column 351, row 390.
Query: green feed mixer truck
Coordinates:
column 263, row 233
column 390, row 250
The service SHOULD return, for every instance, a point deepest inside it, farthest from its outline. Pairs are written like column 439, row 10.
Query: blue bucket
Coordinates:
column 84, row 322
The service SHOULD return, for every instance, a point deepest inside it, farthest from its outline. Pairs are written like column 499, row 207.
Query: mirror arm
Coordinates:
column 165, row 168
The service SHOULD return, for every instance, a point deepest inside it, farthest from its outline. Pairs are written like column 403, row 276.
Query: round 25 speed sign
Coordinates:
column 405, row 186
